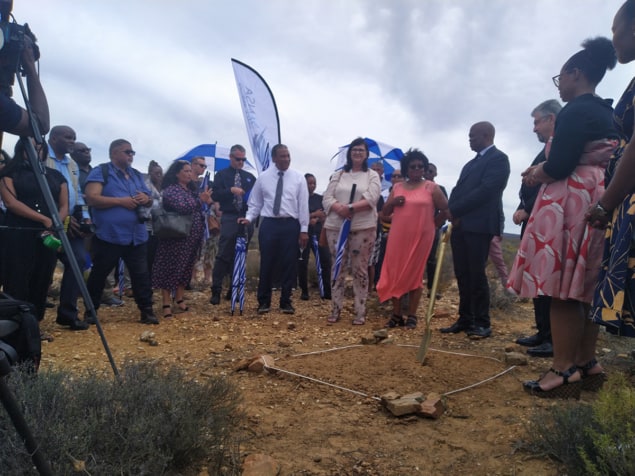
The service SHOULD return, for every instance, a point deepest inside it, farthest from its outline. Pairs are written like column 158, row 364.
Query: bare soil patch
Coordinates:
column 311, row 428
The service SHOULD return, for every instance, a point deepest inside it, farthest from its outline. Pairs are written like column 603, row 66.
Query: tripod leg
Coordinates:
column 13, row 409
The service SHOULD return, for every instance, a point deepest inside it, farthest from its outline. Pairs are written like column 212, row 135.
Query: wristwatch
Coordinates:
column 350, row 208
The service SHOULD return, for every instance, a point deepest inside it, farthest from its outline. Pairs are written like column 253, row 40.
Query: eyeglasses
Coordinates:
column 203, row 166
column 416, row 167
column 358, row 150
column 129, row 152
column 240, row 159
column 556, row 80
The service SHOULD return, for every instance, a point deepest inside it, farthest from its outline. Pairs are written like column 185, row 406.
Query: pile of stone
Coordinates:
column 432, row 406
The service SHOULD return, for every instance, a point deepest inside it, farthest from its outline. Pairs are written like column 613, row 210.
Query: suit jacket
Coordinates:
column 224, row 181
column 477, row 197
column 528, row 194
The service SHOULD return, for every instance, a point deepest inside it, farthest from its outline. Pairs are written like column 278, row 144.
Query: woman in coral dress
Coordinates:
column 559, row 255
column 412, row 204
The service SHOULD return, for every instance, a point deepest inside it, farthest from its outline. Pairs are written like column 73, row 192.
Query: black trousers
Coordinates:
column 69, row 288
column 105, row 258
column 224, row 261
column 470, row 251
column 278, row 238
column 325, row 264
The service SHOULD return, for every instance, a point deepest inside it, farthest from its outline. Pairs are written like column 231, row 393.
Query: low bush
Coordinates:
column 594, row 439
column 148, row 422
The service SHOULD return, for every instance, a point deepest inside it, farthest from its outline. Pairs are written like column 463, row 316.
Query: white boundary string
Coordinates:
column 356, row 392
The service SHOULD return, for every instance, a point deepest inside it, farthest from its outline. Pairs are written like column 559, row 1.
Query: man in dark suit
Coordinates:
column 231, row 190
column 476, row 209
column 544, row 122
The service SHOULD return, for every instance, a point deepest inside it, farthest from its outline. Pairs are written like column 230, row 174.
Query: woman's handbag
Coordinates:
column 170, row 225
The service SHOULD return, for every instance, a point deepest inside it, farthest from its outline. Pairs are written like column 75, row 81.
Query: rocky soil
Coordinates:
column 320, row 414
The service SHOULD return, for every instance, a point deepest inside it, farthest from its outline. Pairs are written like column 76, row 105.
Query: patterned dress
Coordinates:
column 614, row 300
column 560, row 254
column 175, row 258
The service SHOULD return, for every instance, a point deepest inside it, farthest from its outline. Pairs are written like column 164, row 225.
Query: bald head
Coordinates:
column 62, row 140
column 481, row 135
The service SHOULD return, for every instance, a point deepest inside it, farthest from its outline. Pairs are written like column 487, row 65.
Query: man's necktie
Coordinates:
column 238, row 199
column 278, row 198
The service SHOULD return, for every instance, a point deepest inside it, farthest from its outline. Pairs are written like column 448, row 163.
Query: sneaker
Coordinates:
column 264, row 309
column 112, row 302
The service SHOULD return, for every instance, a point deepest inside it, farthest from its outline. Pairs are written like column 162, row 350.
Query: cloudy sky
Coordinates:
column 411, row 73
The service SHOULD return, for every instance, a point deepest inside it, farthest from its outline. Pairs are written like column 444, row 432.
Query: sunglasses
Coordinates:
column 416, row 167
column 240, row 159
column 204, row 166
column 129, row 152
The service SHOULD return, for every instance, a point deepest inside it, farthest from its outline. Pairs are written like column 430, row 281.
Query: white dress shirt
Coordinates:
column 294, row 202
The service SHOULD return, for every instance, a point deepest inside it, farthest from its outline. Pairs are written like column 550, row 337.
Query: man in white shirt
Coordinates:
column 280, row 196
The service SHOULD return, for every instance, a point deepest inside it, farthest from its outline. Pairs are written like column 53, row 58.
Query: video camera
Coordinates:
column 13, row 39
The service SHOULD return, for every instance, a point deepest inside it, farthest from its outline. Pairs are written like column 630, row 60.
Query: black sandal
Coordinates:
column 566, row 390
column 180, row 309
column 395, row 321
column 411, row 322
column 169, row 314
column 591, row 382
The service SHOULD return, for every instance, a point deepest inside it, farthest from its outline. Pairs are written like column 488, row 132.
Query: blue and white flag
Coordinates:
column 260, row 113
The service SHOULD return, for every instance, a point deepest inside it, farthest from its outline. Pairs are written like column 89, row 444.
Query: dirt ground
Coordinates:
column 311, row 428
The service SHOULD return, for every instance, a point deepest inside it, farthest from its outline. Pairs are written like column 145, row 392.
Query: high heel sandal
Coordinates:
column 411, row 322
column 169, row 314
column 395, row 321
column 591, row 382
column 332, row 320
column 566, row 390
column 359, row 321
column 180, row 309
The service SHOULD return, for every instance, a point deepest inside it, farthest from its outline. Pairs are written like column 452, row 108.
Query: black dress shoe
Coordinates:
column 543, row 350
column 215, row 299
column 479, row 332
column 74, row 324
column 304, row 296
column 455, row 328
column 287, row 309
column 89, row 318
column 531, row 341
column 148, row 317
column 264, row 308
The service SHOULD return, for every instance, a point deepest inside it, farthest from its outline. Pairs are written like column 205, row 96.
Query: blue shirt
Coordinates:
column 118, row 225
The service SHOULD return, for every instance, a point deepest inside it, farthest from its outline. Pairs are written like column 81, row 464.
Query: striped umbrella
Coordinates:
column 121, row 275
column 205, row 184
column 239, row 275
column 341, row 240
column 318, row 266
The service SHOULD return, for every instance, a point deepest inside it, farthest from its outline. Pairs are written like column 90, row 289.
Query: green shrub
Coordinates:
column 149, row 422
column 594, row 439
column 613, row 430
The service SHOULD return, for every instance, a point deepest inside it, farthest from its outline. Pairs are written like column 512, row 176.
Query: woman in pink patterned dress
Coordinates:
column 559, row 254
column 172, row 269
